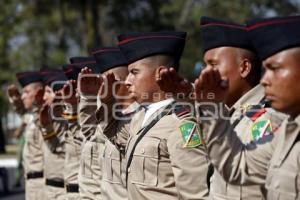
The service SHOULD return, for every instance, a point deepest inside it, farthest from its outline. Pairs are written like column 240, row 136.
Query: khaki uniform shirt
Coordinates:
column 33, row 159
column 90, row 174
column 283, row 178
column 73, row 145
column 113, row 160
column 68, row 133
column 240, row 150
column 220, row 189
column 54, row 152
column 162, row 168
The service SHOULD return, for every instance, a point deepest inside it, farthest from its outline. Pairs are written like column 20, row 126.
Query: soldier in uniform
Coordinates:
column 59, row 119
column 33, row 159
column 90, row 174
column 54, row 151
column 164, row 149
column 228, row 50
column 88, row 182
column 276, row 41
column 15, row 100
column 72, row 135
column 111, row 61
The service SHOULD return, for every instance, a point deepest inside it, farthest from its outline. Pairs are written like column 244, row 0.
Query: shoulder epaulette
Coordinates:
column 181, row 110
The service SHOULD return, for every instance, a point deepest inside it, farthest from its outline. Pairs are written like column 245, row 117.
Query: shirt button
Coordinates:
column 129, row 169
column 142, row 151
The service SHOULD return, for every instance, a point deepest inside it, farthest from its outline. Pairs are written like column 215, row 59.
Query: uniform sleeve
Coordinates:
column 87, row 116
column 106, row 117
column 189, row 165
column 236, row 162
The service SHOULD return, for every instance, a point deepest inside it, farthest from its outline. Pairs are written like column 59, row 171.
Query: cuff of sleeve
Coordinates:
column 48, row 132
column 49, row 135
column 70, row 109
column 87, row 98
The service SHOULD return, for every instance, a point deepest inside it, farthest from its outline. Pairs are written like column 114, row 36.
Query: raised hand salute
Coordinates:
column 89, row 83
column 210, row 86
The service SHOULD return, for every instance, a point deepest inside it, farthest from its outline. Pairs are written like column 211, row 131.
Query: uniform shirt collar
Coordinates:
column 152, row 108
column 252, row 97
column 131, row 108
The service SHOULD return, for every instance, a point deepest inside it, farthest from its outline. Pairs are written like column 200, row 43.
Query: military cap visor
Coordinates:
column 272, row 35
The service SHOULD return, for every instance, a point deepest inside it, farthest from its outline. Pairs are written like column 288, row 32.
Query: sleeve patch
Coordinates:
column 190, row 133
column 260, row 129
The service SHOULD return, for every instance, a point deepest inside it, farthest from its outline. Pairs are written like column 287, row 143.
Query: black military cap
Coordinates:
column 271, row 35
column 72, row 70
column 28, row 77
column 217, row 33
column 54, row 78
column 108, row 58
column 138, row 45
column 79, row 59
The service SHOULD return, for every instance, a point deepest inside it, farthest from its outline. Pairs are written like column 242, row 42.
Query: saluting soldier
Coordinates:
column 72, row 134
column 112, row 63
column 33, row 159
column 274, row 164
column 54, row 149
column 164, row 153
column 88, row 180
column 228, row 50
column 59, row 120
column 90, row 174
column 14, row 97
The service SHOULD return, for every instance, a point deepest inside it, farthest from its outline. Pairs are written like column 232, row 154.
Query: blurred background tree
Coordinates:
column 38, row 33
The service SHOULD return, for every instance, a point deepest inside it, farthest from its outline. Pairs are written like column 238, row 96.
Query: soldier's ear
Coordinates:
column 158, row 71
column 245, row 68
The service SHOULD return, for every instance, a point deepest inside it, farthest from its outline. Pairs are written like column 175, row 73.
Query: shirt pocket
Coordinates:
column 144, row 166
column 111, row 164
column 86, row 160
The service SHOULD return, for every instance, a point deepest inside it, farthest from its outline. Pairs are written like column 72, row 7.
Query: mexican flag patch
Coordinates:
column 190, row 133
column 260, row 129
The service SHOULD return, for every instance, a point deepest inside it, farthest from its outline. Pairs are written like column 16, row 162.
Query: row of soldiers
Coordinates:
column 123, row 124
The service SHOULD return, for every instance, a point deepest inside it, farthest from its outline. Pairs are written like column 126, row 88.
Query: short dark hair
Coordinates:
column 165, row 60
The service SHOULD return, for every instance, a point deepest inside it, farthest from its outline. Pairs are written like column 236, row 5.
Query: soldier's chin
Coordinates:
column 132, row 95
column 278, row 106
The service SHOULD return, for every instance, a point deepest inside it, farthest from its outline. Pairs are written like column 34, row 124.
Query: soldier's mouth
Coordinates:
column 270, row 97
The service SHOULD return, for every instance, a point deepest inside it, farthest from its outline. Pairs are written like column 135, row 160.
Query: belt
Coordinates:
column 55, row 183
column 72, row 188
column 32, row 175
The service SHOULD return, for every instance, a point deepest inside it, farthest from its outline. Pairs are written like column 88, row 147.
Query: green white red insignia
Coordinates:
column 260, row 129
column 190, row 133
